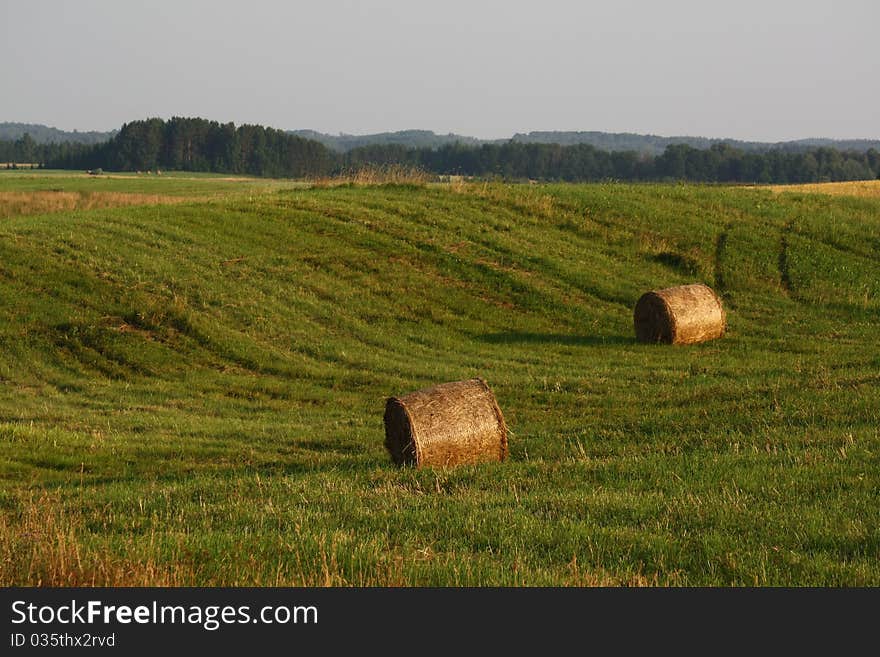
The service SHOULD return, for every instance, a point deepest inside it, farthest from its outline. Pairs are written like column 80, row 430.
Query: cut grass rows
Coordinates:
column 193, row 394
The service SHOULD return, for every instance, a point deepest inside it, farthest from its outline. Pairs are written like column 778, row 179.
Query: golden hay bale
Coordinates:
column 680, row 315
column 449, row 424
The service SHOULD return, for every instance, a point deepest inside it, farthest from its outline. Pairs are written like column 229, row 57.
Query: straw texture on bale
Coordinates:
column 680, row 315
column 449, row 424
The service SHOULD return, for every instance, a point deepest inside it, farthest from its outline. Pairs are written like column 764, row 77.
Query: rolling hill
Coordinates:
column 192, row 393
column 343, row 143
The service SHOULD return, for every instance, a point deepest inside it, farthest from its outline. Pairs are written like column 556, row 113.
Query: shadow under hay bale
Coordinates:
column 680, row 315
column 446, row 425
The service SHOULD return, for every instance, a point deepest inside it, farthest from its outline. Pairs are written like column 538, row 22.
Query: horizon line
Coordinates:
column 342, row 133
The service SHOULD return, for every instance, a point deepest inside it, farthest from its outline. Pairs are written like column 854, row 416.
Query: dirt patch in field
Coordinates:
column 16, row 204
column 863, row 188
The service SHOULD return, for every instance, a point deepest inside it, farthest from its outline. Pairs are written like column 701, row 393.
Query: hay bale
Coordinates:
column 680, row 315
column 449, row 424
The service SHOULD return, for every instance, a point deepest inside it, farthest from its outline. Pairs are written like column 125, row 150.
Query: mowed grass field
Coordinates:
column 192, row 393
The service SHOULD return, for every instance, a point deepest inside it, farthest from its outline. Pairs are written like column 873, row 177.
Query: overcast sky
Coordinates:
column 766, row 70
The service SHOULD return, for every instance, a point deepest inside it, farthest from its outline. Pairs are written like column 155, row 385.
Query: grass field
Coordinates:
column 193, row 393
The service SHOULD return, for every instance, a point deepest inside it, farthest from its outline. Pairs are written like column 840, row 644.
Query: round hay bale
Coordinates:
column 446, row 425
column 680, row 315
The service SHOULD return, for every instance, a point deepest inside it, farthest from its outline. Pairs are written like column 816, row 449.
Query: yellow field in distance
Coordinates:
column 864, row 188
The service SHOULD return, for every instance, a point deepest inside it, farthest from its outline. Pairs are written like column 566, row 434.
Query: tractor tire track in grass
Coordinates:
column 720, row 245
column 784, row 273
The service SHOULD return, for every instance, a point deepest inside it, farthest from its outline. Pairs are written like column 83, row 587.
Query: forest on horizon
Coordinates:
column 200, row 145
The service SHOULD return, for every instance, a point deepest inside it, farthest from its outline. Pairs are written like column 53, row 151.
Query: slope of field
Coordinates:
column 193, row 393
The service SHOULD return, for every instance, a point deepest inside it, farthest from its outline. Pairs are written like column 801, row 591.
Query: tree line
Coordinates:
column 192, row 144
column 655, row 145
column 581, row 162
column 183, row 144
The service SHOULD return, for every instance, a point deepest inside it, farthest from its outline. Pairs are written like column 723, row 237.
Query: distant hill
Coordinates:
column 606, row 141
column 655, row 145
column 410, row 138
column 840, row 144
column 45, row 135
column 625, row 141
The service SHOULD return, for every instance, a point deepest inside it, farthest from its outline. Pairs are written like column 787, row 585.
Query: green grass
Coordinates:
column 193, row 394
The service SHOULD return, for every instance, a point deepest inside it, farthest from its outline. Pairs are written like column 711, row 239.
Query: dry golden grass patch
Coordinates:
column 532, row 199
column 16, row 204
column 41, row 545
column 44, row 544
column 376, row 175
column 863, row 188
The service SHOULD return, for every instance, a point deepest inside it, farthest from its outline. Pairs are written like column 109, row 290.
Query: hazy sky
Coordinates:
column 766, row 70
